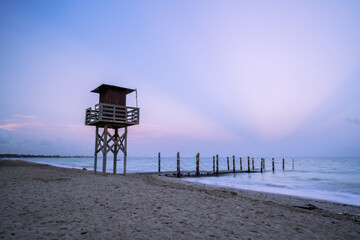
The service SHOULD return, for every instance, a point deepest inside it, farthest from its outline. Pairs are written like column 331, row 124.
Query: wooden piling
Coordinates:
column 283, row 163
column 197, row 164
column 217, row 164
column 248, row 164
column 293, row 164
column 264, row 164
column 159, row 163
column 261, row 165
column 178, row 165
column 240, row 164
column 273, row 164
column 228, row 166
column 233, row 163
column 253, row 164
column 213, row 163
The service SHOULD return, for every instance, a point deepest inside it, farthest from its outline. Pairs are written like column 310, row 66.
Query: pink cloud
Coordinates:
column 25, row 116
column 10, row 126
column 20, row 121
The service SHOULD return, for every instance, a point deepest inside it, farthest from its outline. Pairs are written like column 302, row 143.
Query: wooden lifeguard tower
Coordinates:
column 111, row 113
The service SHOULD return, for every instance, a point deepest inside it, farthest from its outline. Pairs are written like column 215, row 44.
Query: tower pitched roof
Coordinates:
column 102, row 87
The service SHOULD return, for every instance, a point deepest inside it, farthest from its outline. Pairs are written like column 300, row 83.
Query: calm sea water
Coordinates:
column 332, row 179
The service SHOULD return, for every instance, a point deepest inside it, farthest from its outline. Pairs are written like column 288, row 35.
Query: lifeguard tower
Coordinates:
column 111, row 113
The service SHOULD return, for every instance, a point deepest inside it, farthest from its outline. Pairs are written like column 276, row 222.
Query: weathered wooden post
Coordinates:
column 240, row 164
column 253, row 165
column 248, row 164
column 293, row 165
column 264, row 164
column 197, row 164
column 273, row 164
column 261, row 165
column 213, row 164
column 283, row 163
column 217, row 164
column 178, row 165
column 228, row 166
column 159, row 164
column 234, row 163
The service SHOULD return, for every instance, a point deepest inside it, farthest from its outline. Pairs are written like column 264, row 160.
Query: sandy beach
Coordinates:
column 45, row 202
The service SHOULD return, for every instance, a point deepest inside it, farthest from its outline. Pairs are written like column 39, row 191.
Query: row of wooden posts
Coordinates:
column 215, row 169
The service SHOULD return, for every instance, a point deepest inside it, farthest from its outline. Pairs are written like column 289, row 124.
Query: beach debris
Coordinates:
column 17, row 224
column 308, row 207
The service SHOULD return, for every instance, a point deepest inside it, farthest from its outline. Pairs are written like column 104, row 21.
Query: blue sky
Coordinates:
column 260, row 78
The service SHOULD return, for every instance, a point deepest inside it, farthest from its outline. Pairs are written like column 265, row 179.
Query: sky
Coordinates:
column 258, row 78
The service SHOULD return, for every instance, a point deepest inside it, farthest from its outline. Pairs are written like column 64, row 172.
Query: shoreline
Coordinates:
column 52, row 202
column 186, row 179
column 284, row 198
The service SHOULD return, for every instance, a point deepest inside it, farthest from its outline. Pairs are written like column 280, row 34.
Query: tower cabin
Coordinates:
column 111, row 113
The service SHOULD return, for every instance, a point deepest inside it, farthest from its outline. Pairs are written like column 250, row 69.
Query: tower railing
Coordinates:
column 113, row 114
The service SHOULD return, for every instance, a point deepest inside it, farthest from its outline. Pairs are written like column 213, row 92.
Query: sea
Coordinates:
column 324, row 178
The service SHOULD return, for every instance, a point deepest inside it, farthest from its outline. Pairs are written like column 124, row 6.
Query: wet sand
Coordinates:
column 44, row 202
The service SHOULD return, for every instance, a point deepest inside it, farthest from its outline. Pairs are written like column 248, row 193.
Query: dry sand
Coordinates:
column 44, row 202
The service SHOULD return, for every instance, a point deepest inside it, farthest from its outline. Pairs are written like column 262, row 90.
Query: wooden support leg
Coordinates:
column 116, row 149
column 105, row 133
column 125, row 149
column 96, row 148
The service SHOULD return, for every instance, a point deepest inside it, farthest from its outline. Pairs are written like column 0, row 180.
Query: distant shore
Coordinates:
column 11, row 156
column 41, row 201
